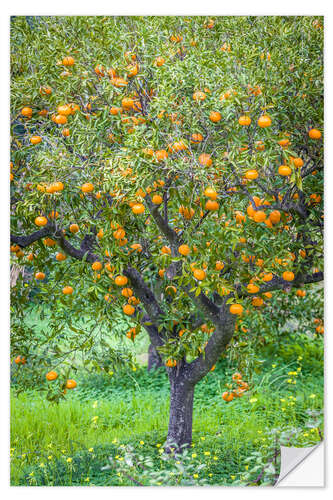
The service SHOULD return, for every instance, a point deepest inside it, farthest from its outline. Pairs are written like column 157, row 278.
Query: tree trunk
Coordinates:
column 181, row 411
column 154, row 359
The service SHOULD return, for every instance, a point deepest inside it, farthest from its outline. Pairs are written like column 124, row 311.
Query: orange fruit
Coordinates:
column 199, row 274
column 298, row 162
column 159, row 61
column 219, row 265
column 60, row 257
column 74, row 228
column 166, row 250
column 264, row 121
column 205, row 160
column 39, row 275
column 184, row 250
column 121, row 280
column 251, row 174
column 268, row 277
column 41, row 221
column 35, row 139
column 244, row 120
column 288, row 276
column 71, row 384
column 128, row 309
column 161, row 155
column 257, row 301
column 259, row 216
column 27, row 112
column 64, row 109
column 275, row 217
column 210, row 193
column 60, row 119
column 199, row 96
column 138, row 208
column 157, row 199
column 284, row 170
column 251, row 288
column 66, row 132
column 20, row 360
column 195, row 138
column 314, row 133
column 52, row 375
column 96, row 266
column 227, row 396
column 211, row 205
column 88, row 187
column 68, row 61
column 215, row 116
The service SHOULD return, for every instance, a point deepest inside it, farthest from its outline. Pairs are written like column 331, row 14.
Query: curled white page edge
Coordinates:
column 292, row 457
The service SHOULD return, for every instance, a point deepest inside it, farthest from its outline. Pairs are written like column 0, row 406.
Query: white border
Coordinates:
column 144, row 7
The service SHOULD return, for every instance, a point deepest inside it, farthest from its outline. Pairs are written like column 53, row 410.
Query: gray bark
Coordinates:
column 181, row 411
column 154, row 359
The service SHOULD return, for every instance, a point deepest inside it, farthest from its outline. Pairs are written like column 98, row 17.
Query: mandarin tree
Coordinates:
column 166, row 172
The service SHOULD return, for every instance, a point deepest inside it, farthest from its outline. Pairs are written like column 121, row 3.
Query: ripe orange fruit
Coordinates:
column 64, row 109
column 157, row 199
column 259, row 216
column 210, row 193
column 195, row 138
column 284, row 170
column 60, row 119
column 314, row 133
column 71, row 384
column 215, row 116
column 275, row 217
column 66, row 132
column 20, row 360
column 257, row 301
column 41, row 221
column 27, row 112
column 199, row 96
column 121, row 280
column 288, row 276
column 166, row 250
column 127, row 292
column 159, row 61
column 244, row 120
column 88, row 187
column 74, row 228
column 49, row 242
column 301, row 293
column 184, row 250
column 227, row 396
column 251, row 174
column 199, row 274
column 264, row 121
column 60, row 257
column 128, row 309
column 39, row 275
column 138, row 208
column 127, row 103
column 52, row 375
column 211, row 205
column 219, row 265
column 298, row 162
column 171, row 363
column 96, row 266
column 35, row 139
column 268, row 277
column 68, row 61
column 161, row 155
column 251, row 288
column 205, row 160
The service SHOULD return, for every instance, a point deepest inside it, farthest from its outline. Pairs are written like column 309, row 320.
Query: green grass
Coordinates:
column 134, row 407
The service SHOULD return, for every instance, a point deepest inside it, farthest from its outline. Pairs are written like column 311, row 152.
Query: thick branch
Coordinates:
column 58, row 235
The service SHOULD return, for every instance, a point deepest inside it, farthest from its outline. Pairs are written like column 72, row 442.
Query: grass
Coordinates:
column 106, row 413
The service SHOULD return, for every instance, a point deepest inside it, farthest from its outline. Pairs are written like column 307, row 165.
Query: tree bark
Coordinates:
column 181, row 411
column 154, row 359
